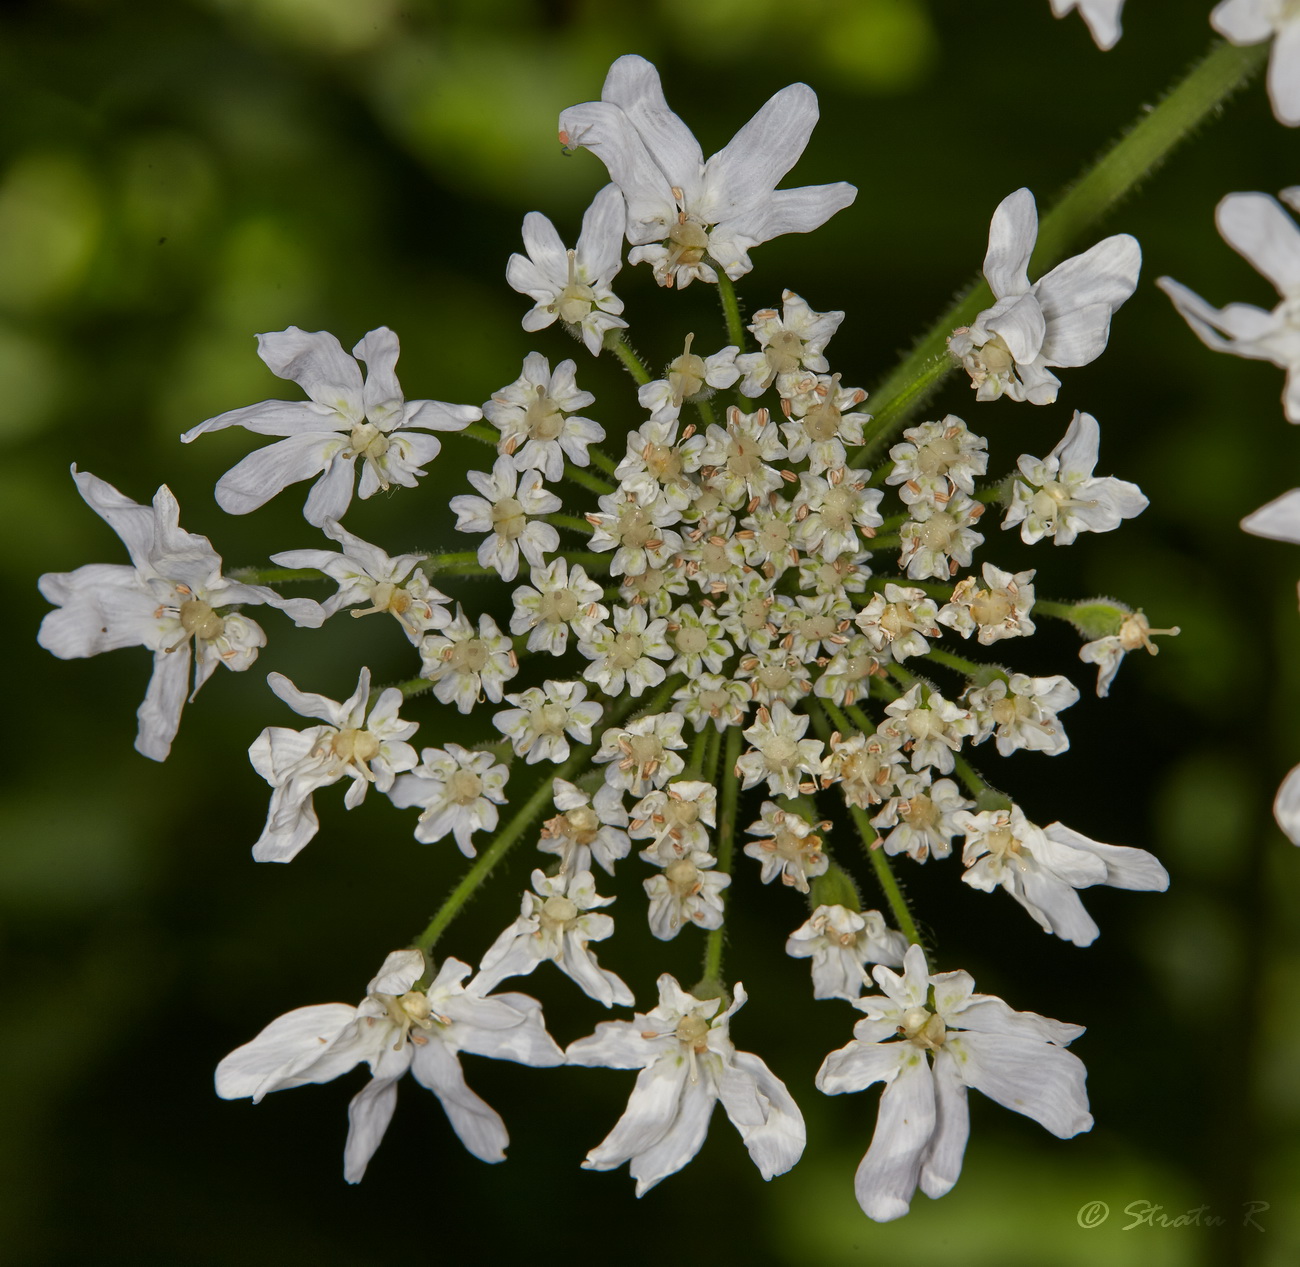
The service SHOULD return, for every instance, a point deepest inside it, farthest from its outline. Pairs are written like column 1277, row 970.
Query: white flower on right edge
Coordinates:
column 1102, row 17
column 971, row 1040
column 1260, row 231
column 1253, row 22
column 397, row 1027
column 1061, row 320
column 1280, row 520
column 1058, row 496
column 687, row 1064
column 685, row 214
column 1042, row 867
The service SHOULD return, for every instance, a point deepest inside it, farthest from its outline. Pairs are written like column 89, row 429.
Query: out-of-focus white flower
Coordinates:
column 1257, row 228
column 344, row 421
column 545, row 718
column 972, row 1040
column 1041, row 867
column 366, row 749
column 688, row 1063
column 1106, row 653
column 1061, row 320
column 509, row 498
column 366, row 574
column 1102, row 17
column 1252, row 22
column 169, row 599
column 587, row 829
column 459, row 790
column 537, row 420
column 840, row 943
column 1280, row 520
column 574, row 285
column 1060, row 497
column 397, row 1027
column 557, row 921
column 684, row 214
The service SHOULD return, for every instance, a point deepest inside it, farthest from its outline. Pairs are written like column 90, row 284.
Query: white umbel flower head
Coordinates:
column 574, row 285
column 1252, row 22
column 169, row 599
column 686, row 891
column 788, row 846
column 928, row 1038
column 685, row 215
column 397, row 1027
column 464, row 664
column 557, row 921
column 560, row 598
column 1041, row 867
column 1021, row 711
column 1257, row 228
column 458, row 789
column 780, row 755
column 1061, row 320
column 840, row 943
column 689, row 378
column 687, row 1064
column 366, row 749
column 935, row 457
column 345, row 421
column 998, row 610
column 1058, row 496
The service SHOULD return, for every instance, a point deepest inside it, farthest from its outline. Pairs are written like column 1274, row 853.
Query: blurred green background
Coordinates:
column 178, row 175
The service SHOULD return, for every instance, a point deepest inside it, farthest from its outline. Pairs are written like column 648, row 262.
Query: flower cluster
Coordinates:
column 771, row 606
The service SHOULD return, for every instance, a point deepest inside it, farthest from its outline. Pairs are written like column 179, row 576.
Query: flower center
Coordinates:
column 923, row 1028
column 581, row 825
column 936, row 456
column 936, row 533
column 688, row 241
column 692, row 1031
column 558, row 606
column 199, row 620
column 464, row 787
column 626, row 651
column 469, row 656
column 557, row 912
column 784, row 351
column 543, row 418
column 355, row 745
column 636, row 527
column 822, row 421
column 691, row 640
column 508, row 518
column 367, row 441
column 991, row 607
column 683, row 878
column 576, row 299
column 686, row 374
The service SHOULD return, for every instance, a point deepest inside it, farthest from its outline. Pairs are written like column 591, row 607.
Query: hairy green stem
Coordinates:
column 632, row 362
column 731, row 310
column 712, row 978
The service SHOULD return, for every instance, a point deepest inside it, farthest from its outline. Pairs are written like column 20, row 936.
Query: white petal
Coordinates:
column 651, row 1111
column 888, row 1174
column 160, row 714
column 1284, row 73
column 942, row 1165
column 1257, row 227
column 252, row 482
column 476, row 1122
column 318, row 364
column 1012, row 234
column 1040, row 1080
column 368, row 1116
column 283, row 1052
